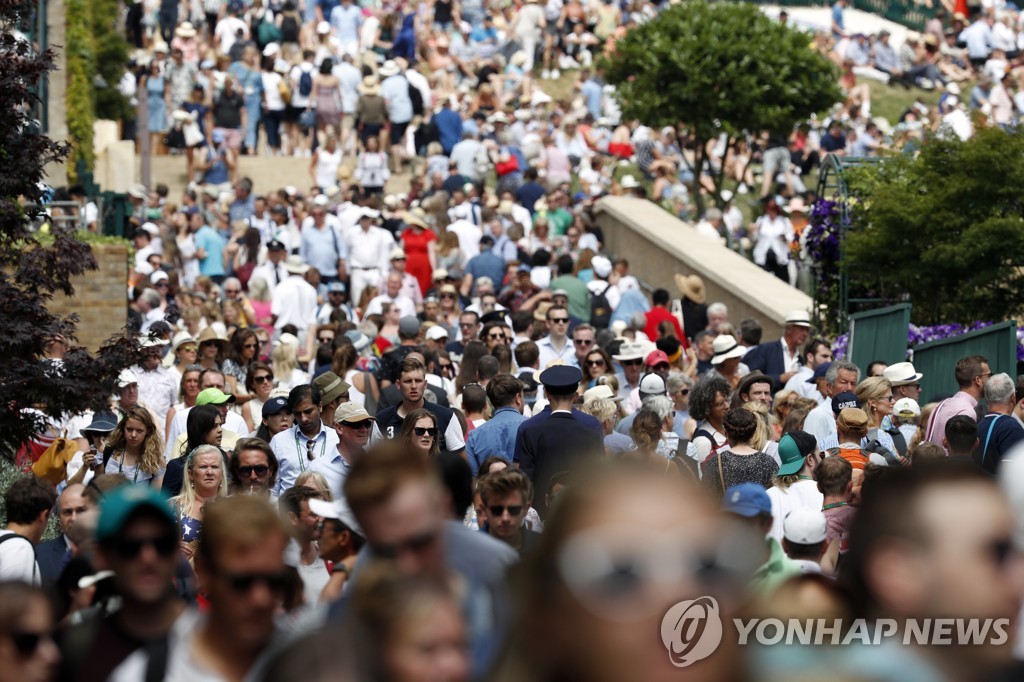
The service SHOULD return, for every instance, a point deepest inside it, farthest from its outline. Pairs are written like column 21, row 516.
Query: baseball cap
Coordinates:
column 819, row 372
column 906, row 408
column 351, row 413
column 602, row 266
column 656, row 357
column 794, row 447
column 804, row 526
column 274, row 406
column 409, row 325
column 276, row 245
column 120, row 504
column 436, row 333
column 336, row 288
column 652, row 384
column 213, row 396
column 746, row 499
column 338, row 509
column 843, row 400
column 852, row 419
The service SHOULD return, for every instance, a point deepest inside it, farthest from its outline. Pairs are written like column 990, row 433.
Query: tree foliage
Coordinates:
column 719, row 68
column 31, row 272
column 944, row 227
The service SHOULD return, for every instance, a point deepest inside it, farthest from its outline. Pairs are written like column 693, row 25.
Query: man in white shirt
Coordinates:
column 28, row 503
column 817, row 352
column 410, row 285
column 158, row 387
column 349, row 77
column 469, row 238
column 556, row 346
column 369, row 249
column 842, row 377
column 392, row 294
column 294, row 299
column 298, row 447
column 272, row 271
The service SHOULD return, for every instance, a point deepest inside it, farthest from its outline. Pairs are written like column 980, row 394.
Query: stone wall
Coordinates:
column 101, row 298
column 658, row 246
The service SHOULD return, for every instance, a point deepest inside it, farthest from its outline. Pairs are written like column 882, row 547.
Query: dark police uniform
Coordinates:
column 550, row 442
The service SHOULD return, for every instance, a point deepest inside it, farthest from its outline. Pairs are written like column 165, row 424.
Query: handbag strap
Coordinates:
column 988, row 436
column 721, row 476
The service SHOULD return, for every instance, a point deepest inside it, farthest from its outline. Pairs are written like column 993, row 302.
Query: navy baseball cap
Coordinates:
column 746, row 499
column 274, row 406
column 819, row 373
column 844, row 400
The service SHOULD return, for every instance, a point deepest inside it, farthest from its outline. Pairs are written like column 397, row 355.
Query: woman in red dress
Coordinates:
column 418, row 241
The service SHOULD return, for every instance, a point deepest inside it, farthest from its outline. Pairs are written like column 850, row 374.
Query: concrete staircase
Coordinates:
column 267, row 173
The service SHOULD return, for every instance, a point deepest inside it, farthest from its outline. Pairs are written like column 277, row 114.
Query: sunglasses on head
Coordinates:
column 259, row 470
column 498, row 509
column 244, row 582
column 425, row 431
column 130, row 548
column 27, row 643
column 415, row 544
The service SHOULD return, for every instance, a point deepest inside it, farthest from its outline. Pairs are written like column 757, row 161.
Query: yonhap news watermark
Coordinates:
column 692, row 630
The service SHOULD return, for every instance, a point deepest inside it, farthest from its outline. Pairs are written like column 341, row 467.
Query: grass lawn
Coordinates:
column 890, row 101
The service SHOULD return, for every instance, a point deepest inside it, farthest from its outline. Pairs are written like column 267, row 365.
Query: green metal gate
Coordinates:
column 937, row 359
column 879, row 335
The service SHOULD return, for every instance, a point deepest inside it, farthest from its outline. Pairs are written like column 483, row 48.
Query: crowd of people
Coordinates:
column 503, row 498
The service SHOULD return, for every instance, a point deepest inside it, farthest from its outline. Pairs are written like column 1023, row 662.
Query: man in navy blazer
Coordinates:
column 53, row 555
column 781, row 359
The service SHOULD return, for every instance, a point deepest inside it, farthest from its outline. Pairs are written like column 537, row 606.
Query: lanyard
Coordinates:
column 298, row 451
column 805, row 478
column 120, row 467
column 834, row 505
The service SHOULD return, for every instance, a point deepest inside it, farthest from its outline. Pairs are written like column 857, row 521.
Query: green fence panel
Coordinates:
column 879, row 334
column 937, row 359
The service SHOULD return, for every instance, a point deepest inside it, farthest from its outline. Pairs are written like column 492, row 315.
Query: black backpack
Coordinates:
column 600, row 309
column 289, row 29
column 417, row 99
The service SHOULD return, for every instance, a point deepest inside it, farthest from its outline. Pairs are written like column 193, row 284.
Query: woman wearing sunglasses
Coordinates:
column 259, row 382
column 205, row 480
column 622, row 545
column 596, row 363
column 27, row 651
column 419, row 430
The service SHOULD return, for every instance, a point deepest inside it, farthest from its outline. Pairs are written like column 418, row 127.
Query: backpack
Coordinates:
column 875, row 446
column 267, row 32
column 417, row 99
column 289, row 29
column 715, row 447
column 305, row 82
column 600, row 309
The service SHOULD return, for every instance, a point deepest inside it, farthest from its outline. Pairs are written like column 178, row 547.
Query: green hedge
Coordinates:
column 81, row 107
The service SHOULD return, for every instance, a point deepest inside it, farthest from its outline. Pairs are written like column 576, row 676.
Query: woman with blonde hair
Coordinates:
column 876, row 399
column 764, row 435
column 606, row 411
column 135, row 449
column 285, row 364
column 205, row 480
column 314, row 480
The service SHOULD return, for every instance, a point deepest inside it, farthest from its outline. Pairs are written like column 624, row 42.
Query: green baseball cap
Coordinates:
column 120, row 504
column 213, row 396
column 794, row 448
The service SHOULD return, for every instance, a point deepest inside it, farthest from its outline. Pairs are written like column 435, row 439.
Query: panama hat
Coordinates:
column 691, row 287
column 389, row 68
column 185, row 30
column 369, row 86
column 726, row 347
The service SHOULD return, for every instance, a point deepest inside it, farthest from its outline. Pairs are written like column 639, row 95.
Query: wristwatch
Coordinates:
column 341, row 568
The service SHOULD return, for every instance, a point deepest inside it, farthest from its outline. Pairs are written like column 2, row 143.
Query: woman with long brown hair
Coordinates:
column 420, row 432
column 135, row 449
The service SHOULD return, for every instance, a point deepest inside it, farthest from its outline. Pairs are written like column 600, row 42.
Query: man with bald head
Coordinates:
column 54, row 554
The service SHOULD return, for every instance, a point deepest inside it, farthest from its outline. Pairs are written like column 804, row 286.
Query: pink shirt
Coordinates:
column 960, row 403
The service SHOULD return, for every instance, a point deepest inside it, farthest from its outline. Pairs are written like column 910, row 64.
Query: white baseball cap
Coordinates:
column 338, row 509
column 906, row 408
column 803, row 525
column 436, row 333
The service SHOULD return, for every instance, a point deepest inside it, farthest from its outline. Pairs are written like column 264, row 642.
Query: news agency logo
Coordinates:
column 691, row 631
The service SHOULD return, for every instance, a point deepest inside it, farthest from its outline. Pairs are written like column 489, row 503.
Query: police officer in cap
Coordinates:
column 552, row 440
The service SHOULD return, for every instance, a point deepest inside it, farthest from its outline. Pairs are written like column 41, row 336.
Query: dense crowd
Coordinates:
column 445, row 435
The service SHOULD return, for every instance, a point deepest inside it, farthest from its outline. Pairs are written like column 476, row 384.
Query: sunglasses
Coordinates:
column 425, row 431
column 583, row 342
column 414, row 544
column 232, row 291
column 498, row 510
column 325, row 339
column 244, row 582
column 130, row 548
column 559, row 320
column 27, row 643
column 259, row 470
column 684, row 391
column 631, row 363
column 189, row 349
column 595, row 363
column 263, row 378
column 498, row 337
column 251, row 345
column 359, row 426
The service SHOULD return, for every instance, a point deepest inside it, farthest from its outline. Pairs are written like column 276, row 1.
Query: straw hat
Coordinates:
column 692, row 287
column 628, row 182
column 185, row 30
column 389, row 68
column 208, row 334
column 369, row 86
column 415, row 217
